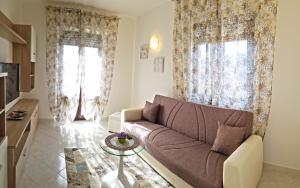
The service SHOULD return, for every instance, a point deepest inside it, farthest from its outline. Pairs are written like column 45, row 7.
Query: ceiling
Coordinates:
column 127, row 7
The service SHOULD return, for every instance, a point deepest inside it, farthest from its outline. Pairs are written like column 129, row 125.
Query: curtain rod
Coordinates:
column 81, row 7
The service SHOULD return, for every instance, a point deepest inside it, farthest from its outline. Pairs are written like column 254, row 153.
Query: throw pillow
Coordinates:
column 228, row 139
column 150, row 112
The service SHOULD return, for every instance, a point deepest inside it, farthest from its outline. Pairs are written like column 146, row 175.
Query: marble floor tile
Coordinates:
column 57, row 182
column 27, row 182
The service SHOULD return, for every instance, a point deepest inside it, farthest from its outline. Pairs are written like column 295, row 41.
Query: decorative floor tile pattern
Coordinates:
column 44, row 167
column 86, row 167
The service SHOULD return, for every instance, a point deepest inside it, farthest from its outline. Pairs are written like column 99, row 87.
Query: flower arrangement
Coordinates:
column 122, row 137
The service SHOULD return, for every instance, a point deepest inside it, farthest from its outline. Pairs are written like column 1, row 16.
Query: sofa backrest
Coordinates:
column 199, row 121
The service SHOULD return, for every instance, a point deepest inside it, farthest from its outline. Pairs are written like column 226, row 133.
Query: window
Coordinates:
column 70, row 70
column 92, row 72
column 222, row 74
column 86, row 75
column 81, row 57
column 237, row 75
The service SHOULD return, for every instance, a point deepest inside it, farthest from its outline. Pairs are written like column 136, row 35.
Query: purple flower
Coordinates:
column 122, row 135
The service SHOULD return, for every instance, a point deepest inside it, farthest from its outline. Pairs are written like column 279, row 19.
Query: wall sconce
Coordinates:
column 154, row 43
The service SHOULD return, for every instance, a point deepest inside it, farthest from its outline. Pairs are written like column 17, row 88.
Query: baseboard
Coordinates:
column 46, row 119
column 104, row 118
column 281, row 166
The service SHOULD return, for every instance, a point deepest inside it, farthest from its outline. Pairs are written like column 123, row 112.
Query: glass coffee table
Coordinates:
column 120, row 178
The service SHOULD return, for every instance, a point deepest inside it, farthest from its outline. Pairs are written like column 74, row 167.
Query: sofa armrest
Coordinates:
column 243, row 168
column 131, row 114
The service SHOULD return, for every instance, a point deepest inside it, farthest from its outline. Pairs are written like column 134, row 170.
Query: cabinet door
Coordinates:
column 33, row 45
column 3, row 164
column 22, row 161
column 34, row 121
column 25, row 55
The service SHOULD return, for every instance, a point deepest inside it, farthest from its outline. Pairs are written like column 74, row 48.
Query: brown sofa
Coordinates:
column 183, row 136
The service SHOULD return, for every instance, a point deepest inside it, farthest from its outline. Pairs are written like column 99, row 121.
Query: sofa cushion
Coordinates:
column 188, row 158
column 167, row 137
column 200, row 121
column 167, row 106
column 150, row 112
column 140, row 129
column 228, row 139
column 185, row 121
column 210, row 116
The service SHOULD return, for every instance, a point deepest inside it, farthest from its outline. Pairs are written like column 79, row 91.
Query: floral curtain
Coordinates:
column 93, row 24
column 223, row 54
column 76, row 41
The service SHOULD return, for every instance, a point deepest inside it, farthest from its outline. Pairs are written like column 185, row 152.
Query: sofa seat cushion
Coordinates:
column 188, row 158
column 140, row 129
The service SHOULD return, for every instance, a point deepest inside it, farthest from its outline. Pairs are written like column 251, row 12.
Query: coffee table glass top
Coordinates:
column 112, row 146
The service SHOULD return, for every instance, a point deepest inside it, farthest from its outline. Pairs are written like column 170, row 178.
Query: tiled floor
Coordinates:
column 276, row 177
column 45, row 166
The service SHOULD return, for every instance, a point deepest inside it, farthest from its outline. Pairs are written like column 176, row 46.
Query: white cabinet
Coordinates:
column 20, row 134
column 33, row 45
column 25, row 55
column 21, row 163
column 3, row 163
column 24, row 155
column 34, row 120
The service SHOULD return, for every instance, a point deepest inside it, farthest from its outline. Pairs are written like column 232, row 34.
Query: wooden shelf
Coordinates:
column 10, row 34
column 7, row 32
column 15, row 129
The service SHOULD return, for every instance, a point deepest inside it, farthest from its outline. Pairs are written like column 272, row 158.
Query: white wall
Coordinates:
column 11, row 8
column 121, row 85
column 5, row 51
column 281, row 144
column 34, row 13
column 282, row 140
column 146, row 82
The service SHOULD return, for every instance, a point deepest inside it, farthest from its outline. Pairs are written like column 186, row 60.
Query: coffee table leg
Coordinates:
column 120, row 169
column 121, row 176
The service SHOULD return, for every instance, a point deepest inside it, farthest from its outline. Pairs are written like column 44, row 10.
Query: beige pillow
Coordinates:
column 228, row 139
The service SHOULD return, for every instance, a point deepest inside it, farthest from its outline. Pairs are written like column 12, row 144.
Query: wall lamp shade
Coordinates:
column 154, row 42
